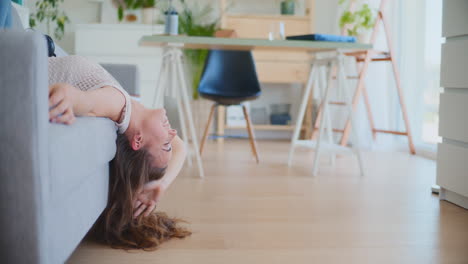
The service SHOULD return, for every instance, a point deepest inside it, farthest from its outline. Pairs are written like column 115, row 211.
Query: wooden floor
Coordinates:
column 269, row 213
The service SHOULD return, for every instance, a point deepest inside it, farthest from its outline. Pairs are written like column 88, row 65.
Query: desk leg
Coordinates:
column 188, row 111
column 161, row 85
column 182, row 118
column 221, row 123
column 300, row 116
column 325, row 115
column 344, row 85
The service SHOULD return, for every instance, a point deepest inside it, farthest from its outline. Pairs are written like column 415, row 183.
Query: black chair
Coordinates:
column 230, row 78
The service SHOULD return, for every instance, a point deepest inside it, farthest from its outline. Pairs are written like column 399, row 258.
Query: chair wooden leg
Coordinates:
column 221, row 123
column 253, row 144
column 207, row 128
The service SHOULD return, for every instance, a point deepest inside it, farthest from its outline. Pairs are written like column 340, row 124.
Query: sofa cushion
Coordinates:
column 78, row 150
column 71, row 216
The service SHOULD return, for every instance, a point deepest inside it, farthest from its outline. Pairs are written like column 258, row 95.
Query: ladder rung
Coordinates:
column 362, row 53
column 375, row 59
column 391, row 132
column 349, row 77
column 337, row 103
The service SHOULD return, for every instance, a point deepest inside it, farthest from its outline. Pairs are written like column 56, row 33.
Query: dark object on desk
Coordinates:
column 323, row 37
column 230, row 78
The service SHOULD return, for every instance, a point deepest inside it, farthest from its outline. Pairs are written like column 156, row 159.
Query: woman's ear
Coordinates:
column 137, row 141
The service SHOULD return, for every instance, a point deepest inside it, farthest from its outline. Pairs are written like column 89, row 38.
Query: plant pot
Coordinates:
column 148, row 15
column 287, row 8
column 364, row 37
column 132, row 16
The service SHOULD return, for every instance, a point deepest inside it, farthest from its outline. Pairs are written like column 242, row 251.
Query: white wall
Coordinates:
column 79, row 12
column 86, row 11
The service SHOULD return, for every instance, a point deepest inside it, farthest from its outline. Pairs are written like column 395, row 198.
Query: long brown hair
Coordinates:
column 129, row 171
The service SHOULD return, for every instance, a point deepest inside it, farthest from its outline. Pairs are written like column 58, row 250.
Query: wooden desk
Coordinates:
column 191, row 42
column 312, row 47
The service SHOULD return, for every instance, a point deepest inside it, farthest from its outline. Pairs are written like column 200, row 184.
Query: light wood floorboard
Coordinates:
column 268, row 213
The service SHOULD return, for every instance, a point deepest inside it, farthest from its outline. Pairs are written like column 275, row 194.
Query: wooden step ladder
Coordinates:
column 363, row 59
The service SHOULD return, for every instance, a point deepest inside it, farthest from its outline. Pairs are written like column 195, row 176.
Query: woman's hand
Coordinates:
column 148, row 197
column 61, row 103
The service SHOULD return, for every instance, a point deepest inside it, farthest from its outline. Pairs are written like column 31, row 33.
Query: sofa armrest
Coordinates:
column 127, row 75
column 23, row 144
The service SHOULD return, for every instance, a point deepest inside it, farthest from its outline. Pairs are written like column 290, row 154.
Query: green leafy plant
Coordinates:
column 358, row 21
column 197, row 21
column 148, row 3
column 49, row 11
column 123, row 5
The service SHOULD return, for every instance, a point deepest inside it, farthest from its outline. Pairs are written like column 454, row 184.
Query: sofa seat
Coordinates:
column 79, row 158
column 78, row 150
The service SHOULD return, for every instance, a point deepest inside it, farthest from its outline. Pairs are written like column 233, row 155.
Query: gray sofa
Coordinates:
column 53, row 178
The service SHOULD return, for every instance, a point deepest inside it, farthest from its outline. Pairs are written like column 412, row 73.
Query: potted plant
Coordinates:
column 357, row 23
column 127, row 10
column 287, row 7
column 148, row 11
column 195, row 21
column 49, row 11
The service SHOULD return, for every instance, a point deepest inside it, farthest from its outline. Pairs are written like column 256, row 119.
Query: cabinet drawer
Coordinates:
column 281, row 56
column 452, row 168
column 454, row 116
column 284, row 72
column 455, row 18
column 454, row 64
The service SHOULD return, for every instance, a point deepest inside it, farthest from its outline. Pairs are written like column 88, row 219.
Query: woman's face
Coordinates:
column 158, row 134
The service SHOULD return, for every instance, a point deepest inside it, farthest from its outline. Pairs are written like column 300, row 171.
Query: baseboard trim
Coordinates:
column 453, row 197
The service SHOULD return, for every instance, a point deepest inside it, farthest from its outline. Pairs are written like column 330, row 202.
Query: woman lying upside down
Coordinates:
column 147, row 150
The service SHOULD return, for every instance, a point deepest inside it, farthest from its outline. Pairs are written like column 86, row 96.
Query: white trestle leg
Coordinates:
column 182, row 119
column 325, row 116
column 302, row 108
column 161, row 84
column 188, row 109
column 334, row 64
column 345, row 88
column 329, row 128
column 172, row 75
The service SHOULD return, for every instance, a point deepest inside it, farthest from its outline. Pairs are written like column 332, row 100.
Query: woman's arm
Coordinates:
column 66, row 101
column 179, row 154
column 152, row 191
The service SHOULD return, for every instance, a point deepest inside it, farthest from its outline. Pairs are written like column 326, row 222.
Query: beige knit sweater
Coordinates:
column 87, row 75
